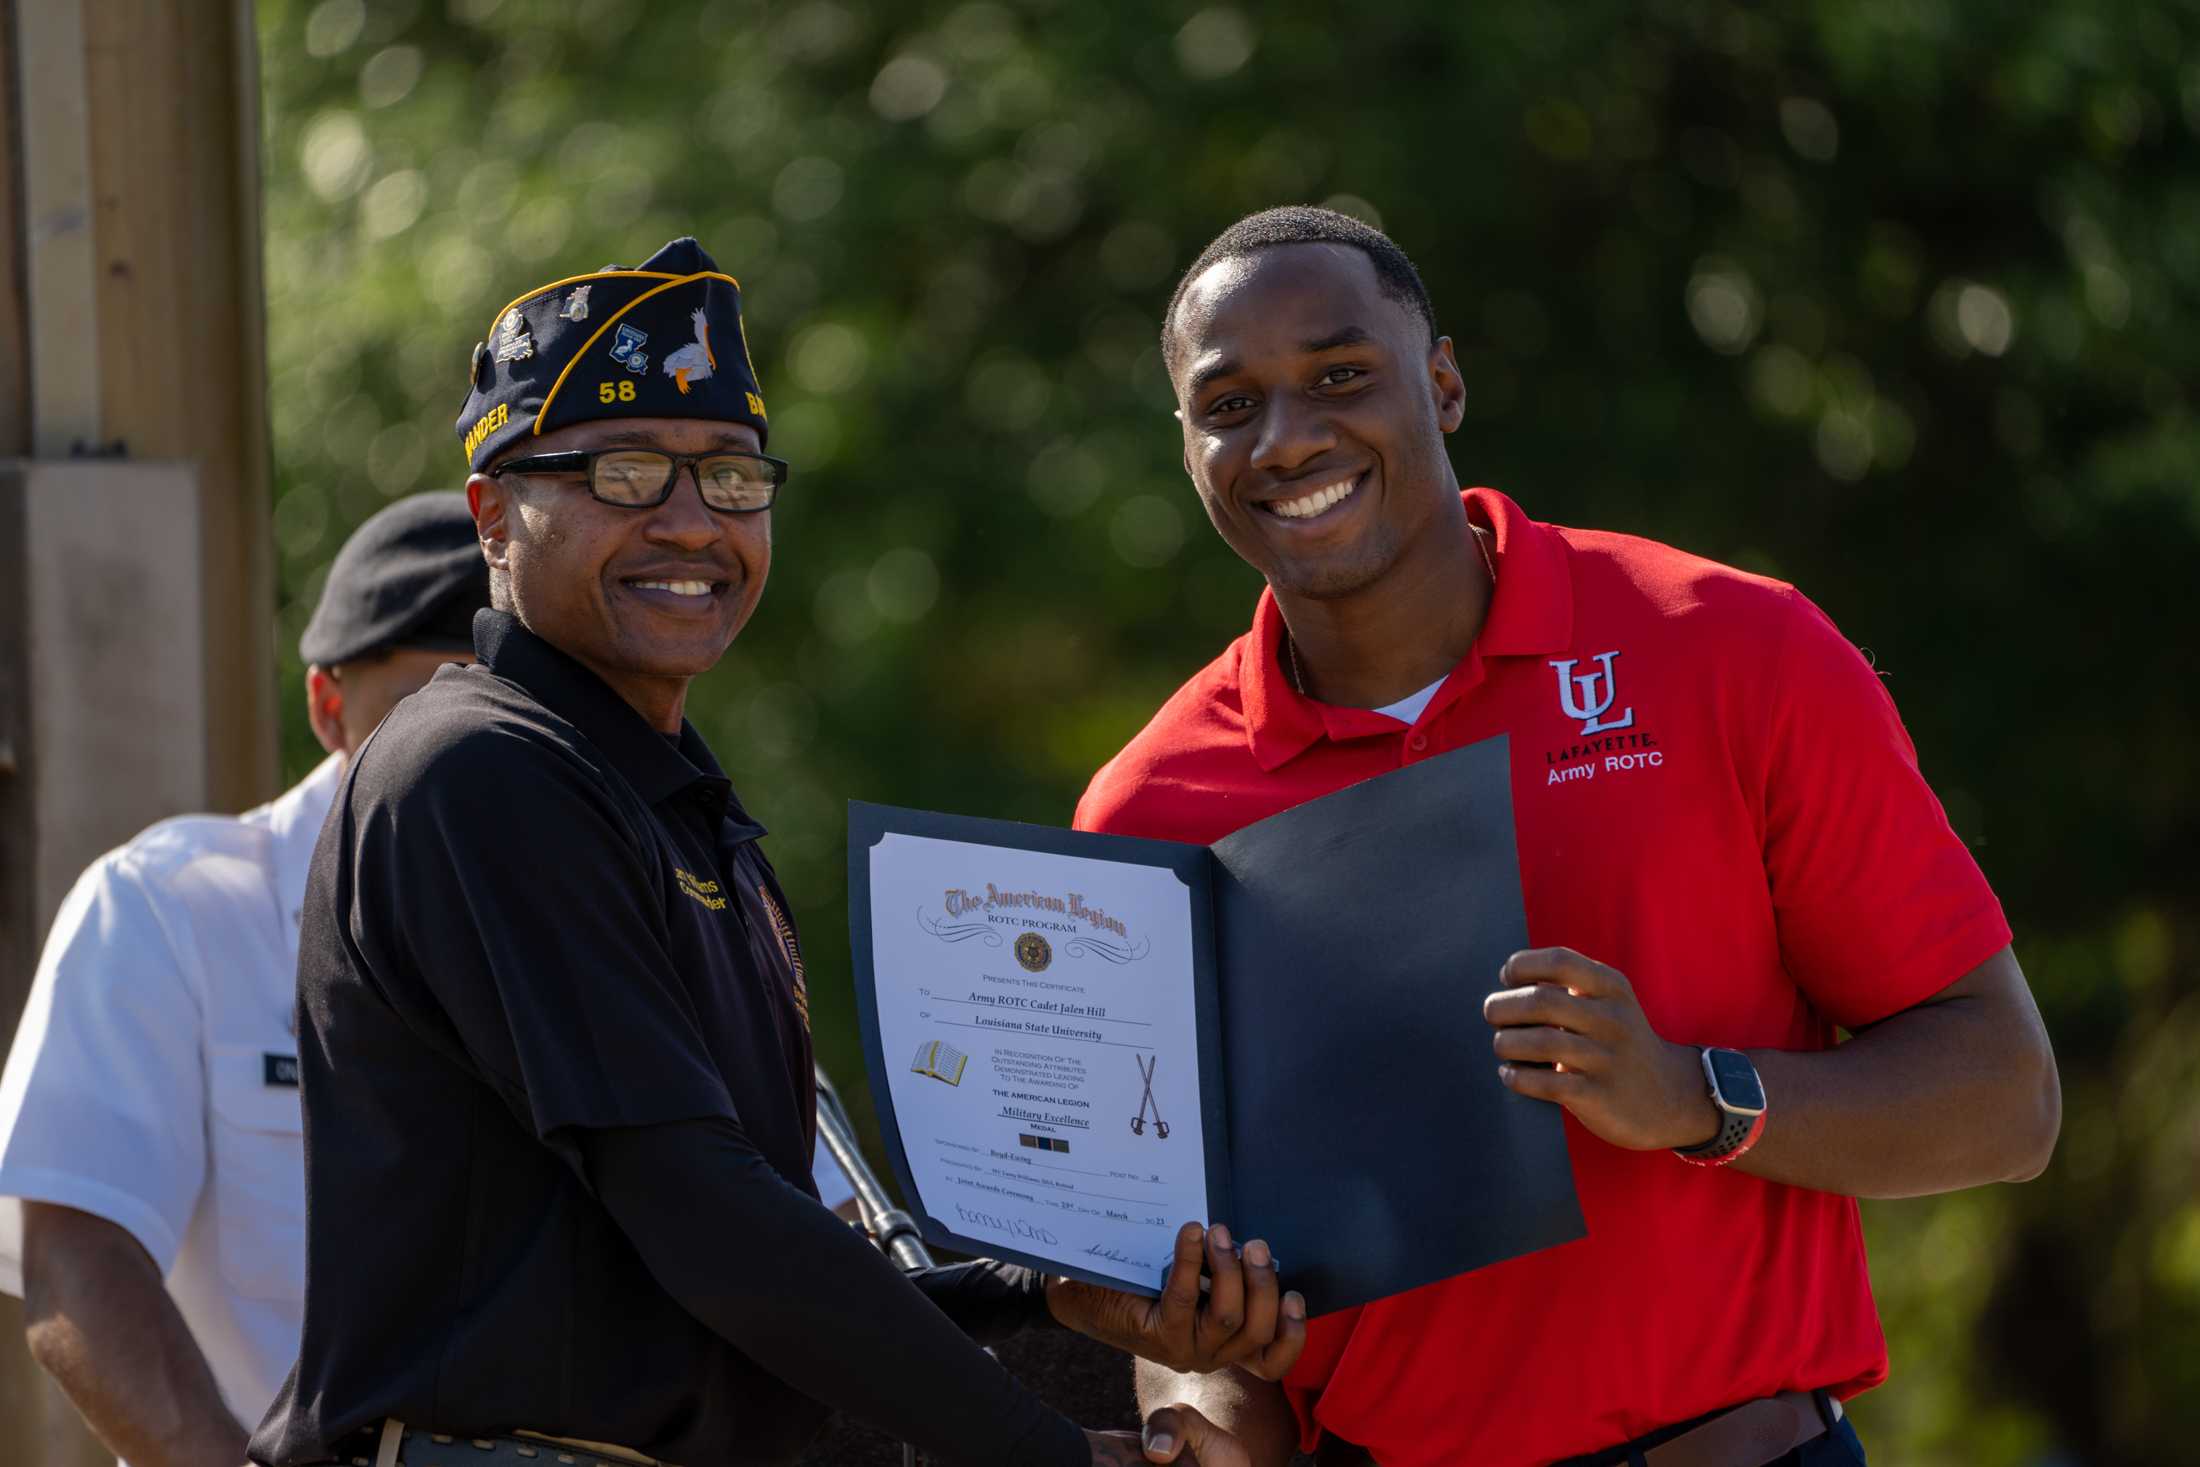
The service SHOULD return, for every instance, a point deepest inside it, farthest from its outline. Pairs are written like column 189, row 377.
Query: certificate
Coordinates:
column 1078, row 1042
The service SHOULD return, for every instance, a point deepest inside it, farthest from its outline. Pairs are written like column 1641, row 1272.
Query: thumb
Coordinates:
column 1173, row 1431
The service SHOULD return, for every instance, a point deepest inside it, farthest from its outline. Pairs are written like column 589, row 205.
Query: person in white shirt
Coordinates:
column 152, row 1201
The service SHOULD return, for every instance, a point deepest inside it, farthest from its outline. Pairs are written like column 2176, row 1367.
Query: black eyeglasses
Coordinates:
column 642, row 478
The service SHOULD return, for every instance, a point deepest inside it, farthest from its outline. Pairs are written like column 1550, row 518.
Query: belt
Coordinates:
column 394, row 1444
column 1748, row 1435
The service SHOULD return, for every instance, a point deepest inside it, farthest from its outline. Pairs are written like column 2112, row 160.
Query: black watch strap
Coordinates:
column 1733, row 1131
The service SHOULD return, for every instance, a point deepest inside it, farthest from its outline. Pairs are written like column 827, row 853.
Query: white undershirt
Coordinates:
column 1408, row 708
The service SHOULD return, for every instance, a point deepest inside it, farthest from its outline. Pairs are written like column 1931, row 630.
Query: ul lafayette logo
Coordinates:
column 1034, row 952
column 1588, row 696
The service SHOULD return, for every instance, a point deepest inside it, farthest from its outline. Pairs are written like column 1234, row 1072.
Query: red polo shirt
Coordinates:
column 1713, row 794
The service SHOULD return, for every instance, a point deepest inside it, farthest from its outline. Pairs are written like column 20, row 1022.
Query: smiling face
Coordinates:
column 645, row 598
column 1314, row 411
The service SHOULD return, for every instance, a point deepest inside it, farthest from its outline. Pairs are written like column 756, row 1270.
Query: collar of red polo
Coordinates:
column 1531, row 614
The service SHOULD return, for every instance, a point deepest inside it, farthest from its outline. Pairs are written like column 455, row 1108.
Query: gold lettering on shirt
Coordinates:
column 697, row 889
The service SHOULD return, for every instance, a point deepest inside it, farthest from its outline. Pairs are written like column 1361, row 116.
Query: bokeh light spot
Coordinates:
column 1781, row 382
column 301, row 521
column 335, row 155
column 1359, row 208
column 1810, row 129
column 1008, row 391
column 1065, row 478
column 903, row 584
column 1723, row 306
column 1215, row 42
column 1147, row 531
column 828, row 358
column 393, row 205
column 907, row 87
column 389, row 75
column 333, row 26
column 1844, row 445
column 1984, row 318
column 807, row 189
column 844, row 611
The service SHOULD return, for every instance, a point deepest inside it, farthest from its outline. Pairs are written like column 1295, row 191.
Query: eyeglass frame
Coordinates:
column 583, row 461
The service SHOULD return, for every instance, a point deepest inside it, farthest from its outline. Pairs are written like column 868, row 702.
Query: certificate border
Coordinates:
column 868, row 824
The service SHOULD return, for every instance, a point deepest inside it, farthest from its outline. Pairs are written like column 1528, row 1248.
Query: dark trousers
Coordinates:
column 1837, row 1448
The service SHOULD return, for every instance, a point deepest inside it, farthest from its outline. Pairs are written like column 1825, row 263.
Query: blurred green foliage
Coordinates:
column 1891, row 298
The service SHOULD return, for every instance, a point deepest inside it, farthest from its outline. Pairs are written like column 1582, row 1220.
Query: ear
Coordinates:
column 325, row 709
column 1447, row 385
column 490, row 502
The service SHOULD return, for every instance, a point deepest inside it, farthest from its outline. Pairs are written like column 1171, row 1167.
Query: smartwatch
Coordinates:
column 1740, row 1098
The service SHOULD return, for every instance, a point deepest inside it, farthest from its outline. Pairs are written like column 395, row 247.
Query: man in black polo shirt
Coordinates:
column 554, row 1035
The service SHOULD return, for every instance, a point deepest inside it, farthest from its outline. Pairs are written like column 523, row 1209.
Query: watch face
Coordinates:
column 1737, row 1077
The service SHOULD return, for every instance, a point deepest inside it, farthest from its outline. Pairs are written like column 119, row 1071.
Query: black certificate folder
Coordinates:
column 1349, row 1098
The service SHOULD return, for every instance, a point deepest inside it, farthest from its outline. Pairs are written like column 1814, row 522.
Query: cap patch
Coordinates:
column 670, row 329
column 514, row 343
column 626, row 348
column 693, row 362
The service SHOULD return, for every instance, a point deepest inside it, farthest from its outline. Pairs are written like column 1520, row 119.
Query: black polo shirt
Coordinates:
column 529, row 914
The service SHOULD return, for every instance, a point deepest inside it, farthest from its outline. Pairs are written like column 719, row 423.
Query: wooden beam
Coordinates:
column 15, row 368
column 130, row 314
column 54, row 124
column 116, row 732
column 182, row 323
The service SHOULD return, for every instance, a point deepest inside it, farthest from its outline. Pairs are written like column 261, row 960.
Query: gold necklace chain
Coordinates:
column 1291, row 645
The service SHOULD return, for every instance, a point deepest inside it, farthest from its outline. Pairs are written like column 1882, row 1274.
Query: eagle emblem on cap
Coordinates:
column 693, row 362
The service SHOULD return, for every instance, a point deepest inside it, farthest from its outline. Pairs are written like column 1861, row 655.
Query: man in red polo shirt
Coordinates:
column 1725, row 845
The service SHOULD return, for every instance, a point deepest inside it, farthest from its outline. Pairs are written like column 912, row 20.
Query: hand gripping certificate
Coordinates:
column 1079, row 1042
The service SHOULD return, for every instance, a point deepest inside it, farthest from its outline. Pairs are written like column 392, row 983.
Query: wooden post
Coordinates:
column 182, row 323
column 131, row 324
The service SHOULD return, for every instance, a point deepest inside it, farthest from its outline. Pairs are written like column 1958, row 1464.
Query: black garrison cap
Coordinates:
column 411, row 576
column 662, row 340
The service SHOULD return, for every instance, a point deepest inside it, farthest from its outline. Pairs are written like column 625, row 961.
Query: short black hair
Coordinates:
column 1306, row 224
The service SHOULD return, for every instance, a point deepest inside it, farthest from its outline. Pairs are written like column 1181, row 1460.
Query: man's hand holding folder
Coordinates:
column 1246, row 1321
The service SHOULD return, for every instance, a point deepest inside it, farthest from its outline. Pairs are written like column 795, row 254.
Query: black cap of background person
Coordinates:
column 411, row 576
column 662, row 340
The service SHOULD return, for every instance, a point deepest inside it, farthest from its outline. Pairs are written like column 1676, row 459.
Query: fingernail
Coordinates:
column 1294, row 1304
column 1256, row 1253
column 1160, row 1441
column 1220, row 1234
